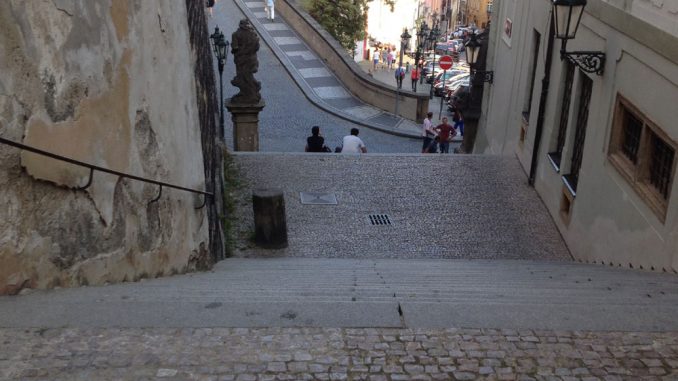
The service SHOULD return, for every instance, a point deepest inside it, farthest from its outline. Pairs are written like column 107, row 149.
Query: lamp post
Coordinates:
column 567, row 16
column 433, row 38
column 417, row 55
column 404, row 41
column 423, row 34
column 220, row 46
column 472, row 53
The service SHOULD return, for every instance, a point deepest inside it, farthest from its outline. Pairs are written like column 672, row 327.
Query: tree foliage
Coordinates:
column 343, row 19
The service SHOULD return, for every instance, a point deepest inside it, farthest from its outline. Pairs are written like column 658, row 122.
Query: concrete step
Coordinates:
column 368, row 293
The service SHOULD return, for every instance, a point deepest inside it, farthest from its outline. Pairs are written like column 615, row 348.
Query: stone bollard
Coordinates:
column 269, row 218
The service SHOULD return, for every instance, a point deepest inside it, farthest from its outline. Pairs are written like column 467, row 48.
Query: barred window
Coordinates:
column 661, row 164
column 564, row 114
column 644, row 155
column 572, row 178
column 631, row 136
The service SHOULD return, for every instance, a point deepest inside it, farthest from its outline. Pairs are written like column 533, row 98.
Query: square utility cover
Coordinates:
column 311, row 198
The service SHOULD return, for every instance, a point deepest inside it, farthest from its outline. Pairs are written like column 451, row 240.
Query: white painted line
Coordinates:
column 331, row 92
column 270, row 27
column 286, row 40
column 315, row 72
column 305, row 54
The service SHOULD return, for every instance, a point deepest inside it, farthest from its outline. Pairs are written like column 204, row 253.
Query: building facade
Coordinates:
column 599, row 148
column 478, row 14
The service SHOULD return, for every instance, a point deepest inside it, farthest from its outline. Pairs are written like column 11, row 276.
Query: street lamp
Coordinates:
column 433, row 38
column 567, row 16
column 472, row 54
column 422, row 34
column 220, row 46
column 404, row 42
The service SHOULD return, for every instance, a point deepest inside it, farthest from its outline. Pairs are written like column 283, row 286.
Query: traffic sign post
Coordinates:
column 445, row 64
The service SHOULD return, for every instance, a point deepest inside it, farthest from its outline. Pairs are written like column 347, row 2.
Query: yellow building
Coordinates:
column 477, row 12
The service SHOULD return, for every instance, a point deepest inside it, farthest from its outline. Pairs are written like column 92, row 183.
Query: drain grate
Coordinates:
column 312, row 198
column 379, row 219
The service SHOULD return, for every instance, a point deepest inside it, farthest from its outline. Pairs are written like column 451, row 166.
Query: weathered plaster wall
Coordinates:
column 111, row 83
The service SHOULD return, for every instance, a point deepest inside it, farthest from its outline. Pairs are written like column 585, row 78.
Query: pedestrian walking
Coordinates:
column 375, row 59
column 391, row 59
column 458, row 119
column 445, row 132
column 399, row 76
column 270, row 9
column 352, row 143
column 427, row 133
column 384, row 58
column 415, row 77
column 407, row 67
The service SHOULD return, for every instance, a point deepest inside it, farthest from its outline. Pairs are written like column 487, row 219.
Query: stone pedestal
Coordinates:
column 245, row 125
column 270, row 227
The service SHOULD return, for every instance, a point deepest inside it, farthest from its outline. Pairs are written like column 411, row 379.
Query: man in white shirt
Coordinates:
column 427, row 132
column 353, row 144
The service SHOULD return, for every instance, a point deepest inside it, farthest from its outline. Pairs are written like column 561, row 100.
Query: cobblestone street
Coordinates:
column 395, row 265
column 335, row 354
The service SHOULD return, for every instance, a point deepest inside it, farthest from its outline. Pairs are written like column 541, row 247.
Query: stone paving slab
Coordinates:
column 336, row 354
column 441, row 206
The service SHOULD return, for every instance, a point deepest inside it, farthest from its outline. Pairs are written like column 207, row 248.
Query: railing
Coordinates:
column 93, row 168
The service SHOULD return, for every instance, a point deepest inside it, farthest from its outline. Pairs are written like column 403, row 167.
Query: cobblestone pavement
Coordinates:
column 335, row 354
column 286, row 121
column 440, row 206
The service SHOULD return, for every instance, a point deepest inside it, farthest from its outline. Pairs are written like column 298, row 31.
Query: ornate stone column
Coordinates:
column 246, row 105
column 245, row 125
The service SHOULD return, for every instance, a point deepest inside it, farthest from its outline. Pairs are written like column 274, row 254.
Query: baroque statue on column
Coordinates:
column 245, row 45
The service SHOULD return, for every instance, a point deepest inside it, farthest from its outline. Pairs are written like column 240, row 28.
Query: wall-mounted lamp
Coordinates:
column 472, row 53
column 567, row 15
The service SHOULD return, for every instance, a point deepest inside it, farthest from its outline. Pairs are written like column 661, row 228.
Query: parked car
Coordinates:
column 459, row 99
column 452, row 87
column 449, row 74
column 441, row 87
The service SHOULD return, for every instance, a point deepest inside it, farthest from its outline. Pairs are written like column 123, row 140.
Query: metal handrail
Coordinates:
column 93, row 168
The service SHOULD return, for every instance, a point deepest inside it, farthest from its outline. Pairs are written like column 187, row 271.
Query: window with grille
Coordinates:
column 632, row 127
column 564, row 114
column 536, row 40
column 643, row 154
column 572, row 179
column 661, row 165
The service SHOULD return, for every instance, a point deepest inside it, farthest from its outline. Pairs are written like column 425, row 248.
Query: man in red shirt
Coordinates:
column 445, row 133
column 415, row 77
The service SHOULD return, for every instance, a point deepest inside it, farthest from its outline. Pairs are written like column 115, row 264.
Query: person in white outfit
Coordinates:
column 353, row 144
column 270, row 9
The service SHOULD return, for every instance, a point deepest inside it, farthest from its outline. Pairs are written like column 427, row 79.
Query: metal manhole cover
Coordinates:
column 379, row 219
column 311, row 198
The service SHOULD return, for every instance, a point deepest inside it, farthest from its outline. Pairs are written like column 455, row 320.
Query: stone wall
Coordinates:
column 111, row 83
column 211, row 133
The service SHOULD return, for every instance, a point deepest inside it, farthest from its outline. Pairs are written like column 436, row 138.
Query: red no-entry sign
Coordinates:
column 445, row 62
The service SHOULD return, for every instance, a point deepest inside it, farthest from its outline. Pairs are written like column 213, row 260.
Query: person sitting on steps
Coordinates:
column 315, row 142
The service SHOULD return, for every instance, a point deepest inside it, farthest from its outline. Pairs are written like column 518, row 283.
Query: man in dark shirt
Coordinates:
column 445, row 132
column 315, row 142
